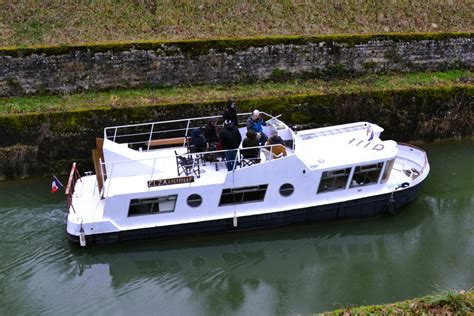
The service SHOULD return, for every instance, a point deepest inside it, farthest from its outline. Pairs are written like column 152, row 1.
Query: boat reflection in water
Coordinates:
column 228, row 271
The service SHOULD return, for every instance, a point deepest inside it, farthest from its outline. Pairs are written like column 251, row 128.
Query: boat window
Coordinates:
column 157, row 205
column 388, row 170
column 366, row 175
column 287, row 189
column 243, row 195
column 334, row 180
column 194, row 200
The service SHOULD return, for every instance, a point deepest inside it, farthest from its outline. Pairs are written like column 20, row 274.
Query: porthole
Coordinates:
column 194, row 200
column 287, row 189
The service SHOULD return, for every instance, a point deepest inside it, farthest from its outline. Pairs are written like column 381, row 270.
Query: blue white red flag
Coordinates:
column 371, row 132
column 55, row 185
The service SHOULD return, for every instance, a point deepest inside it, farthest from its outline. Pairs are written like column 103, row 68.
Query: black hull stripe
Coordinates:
column 360, row 208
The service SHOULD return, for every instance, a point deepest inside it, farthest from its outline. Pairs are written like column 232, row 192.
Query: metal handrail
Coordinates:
column 425, row 163
column 115, row 129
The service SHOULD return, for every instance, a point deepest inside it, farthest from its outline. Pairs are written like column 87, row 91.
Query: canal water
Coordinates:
column 300, row 269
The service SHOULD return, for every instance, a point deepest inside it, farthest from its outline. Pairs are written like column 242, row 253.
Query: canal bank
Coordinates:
column 36, row 144
column 450, row 302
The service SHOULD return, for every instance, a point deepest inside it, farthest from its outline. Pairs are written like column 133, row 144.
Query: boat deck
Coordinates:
column 165, row 166
column 87, row 201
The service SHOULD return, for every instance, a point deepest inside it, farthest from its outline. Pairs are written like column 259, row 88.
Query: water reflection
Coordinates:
column 226, row 271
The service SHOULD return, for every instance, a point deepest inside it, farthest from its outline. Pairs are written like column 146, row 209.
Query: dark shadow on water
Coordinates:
column 242, row 243
column 222, row 268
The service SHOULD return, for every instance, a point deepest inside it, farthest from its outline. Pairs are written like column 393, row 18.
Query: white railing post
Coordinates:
column 151, row 134
column 102, row 174
column 110, row 178
column 237, row 156
column 115, row 133
column 186, row 133
column 153, row 169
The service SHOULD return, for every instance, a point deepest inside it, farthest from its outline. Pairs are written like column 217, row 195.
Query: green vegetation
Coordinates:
column 446, row 303
column 32, row 23
column 212, row 93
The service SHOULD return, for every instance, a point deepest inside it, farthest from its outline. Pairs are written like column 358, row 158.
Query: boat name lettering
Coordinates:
column 366, row 144
column 170, row 181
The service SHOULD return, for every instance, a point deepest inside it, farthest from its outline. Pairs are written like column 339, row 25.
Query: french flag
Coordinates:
column 55, row 185
column 371, row 132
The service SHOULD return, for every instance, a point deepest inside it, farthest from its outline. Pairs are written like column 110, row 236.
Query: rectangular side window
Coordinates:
column 148, row 206
column 366, row 175
column 243, row 195
column 334, row 180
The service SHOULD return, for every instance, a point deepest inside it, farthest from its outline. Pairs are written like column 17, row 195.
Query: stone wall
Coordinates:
column 70, row 70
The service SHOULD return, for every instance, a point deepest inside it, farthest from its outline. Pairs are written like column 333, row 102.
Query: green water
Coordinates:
column 298, row 269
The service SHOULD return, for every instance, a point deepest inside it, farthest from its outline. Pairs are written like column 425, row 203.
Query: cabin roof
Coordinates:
column 343, row 145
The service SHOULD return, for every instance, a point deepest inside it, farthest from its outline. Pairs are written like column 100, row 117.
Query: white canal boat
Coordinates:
column 148, row 183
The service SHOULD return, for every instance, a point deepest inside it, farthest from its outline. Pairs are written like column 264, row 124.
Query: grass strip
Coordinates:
column 31, row 23
column 449, row 302
column 209, row 93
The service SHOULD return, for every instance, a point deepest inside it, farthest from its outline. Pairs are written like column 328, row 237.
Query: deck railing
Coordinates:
column 425, row 157
column 142, row 135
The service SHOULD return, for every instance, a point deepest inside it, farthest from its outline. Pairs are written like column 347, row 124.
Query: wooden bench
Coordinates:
column 167, row 142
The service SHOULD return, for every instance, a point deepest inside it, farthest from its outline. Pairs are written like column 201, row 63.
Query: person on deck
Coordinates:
column 198, row 140
column 250, row 140
column 211, row 134
column 230, row 140
column 278, row 149
column 256, row 123
column 230, row 113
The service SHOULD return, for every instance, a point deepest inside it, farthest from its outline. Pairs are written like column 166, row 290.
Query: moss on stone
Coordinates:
column 230, row 45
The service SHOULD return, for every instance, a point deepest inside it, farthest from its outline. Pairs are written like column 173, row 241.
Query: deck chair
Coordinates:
column 249, row 157
column 187, row 165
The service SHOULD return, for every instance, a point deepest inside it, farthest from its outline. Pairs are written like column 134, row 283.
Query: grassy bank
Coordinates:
column 446, row 303
column 26, row 23
column 205, row 93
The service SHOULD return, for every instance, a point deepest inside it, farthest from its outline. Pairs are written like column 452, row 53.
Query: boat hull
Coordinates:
column 357, row 208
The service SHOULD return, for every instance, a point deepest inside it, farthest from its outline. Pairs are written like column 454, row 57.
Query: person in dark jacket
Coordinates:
column 198, row 140
column 230, row 140
column 251, row 141
column 210, row 132
column 230, row 113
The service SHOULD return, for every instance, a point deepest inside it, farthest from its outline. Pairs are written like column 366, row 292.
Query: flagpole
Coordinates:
column 55, row 178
